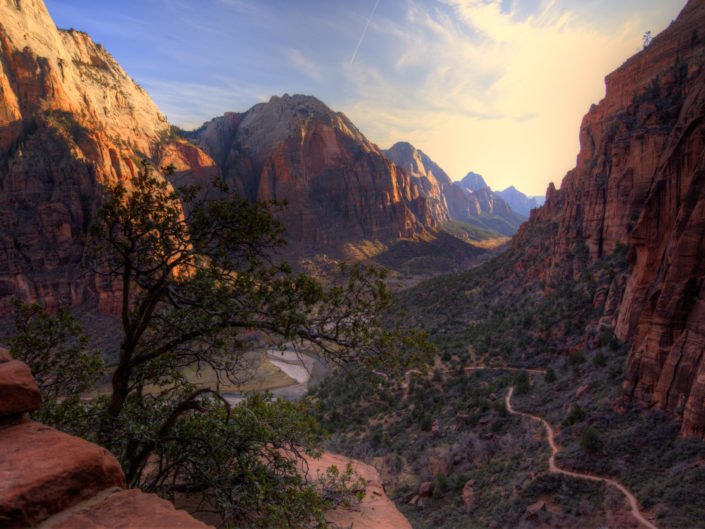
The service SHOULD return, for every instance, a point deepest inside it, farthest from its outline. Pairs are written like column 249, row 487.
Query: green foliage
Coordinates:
column 576, row 359
column 195, row 274
column 576, row 415
column 335, row 487
column 56, row 351
column 441, row 484
column 599, row 359
column 590, row 440
column 521, row 383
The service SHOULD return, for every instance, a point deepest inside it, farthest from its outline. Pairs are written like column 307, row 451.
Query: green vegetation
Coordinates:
column 440, row 252
column 196, row 282
column 452, row 427
column 470, row 232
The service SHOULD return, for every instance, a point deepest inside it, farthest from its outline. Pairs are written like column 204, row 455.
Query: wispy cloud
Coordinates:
column 305, row 65
column 185, row 102
column 482, row 86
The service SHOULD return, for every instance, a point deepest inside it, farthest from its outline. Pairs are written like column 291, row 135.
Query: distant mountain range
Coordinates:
column 519, row 202
column 470, row 201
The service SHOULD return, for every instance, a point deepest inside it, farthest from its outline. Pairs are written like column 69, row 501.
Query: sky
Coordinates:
column 498, row 87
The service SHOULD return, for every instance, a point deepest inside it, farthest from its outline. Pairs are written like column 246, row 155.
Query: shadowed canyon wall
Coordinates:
column 640, row 180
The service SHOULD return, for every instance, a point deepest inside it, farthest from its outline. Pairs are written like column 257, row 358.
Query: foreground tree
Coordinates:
column 195, row 274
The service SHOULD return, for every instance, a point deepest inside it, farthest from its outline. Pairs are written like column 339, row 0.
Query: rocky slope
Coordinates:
column 70, row 120
column 340, row 189
column 470, row 201
column 639, row 181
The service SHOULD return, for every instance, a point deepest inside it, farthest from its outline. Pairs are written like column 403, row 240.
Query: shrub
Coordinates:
column 550, row 375
column 576, row 415
column 441, row 484
column 521, row 381
column 599, row 359
column 590, row 440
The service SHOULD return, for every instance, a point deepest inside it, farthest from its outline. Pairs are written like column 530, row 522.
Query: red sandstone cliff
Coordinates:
column 70, row 120
column 340, row 189
column 640, row 180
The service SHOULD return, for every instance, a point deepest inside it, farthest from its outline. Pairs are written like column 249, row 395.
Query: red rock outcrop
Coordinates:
column 60, row 480
column 341, row 191
column 44, row 471
column 640, row 180
column 70, row 120
column 376, row 511
column 125, row 509
column 18, row 391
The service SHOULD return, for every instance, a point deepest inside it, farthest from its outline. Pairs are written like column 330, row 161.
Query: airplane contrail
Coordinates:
column 364, row 31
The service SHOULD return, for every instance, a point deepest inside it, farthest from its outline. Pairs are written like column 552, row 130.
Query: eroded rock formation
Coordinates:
column 640, row 180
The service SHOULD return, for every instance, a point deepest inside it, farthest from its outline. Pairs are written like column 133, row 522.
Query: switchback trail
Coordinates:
column 554, row 469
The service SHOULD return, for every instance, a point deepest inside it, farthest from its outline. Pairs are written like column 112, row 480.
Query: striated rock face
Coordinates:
column 664, row 302
column 470, row 200
column 70, row 120
column 640, row 180
column 340, row 188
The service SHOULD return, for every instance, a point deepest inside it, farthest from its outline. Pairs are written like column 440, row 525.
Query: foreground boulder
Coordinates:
column 60, row 480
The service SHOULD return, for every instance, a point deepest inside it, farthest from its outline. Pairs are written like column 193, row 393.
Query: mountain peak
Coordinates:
column 298, row 102
column 518, row 201
column 269, row 124
column 473, row 182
